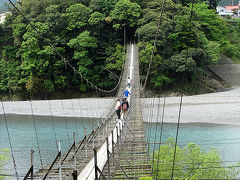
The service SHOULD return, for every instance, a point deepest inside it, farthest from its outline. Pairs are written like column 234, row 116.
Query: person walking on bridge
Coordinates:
column 129, row 82
column 126, row 93
column 118, row 108
column 125, row 107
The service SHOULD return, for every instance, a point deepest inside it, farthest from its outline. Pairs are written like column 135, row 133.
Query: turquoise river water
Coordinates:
column 226, row 138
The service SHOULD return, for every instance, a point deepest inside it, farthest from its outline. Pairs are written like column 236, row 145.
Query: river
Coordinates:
column 226, row 138
column 210, row 120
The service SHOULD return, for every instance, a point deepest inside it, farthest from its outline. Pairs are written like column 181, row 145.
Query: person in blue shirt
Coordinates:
column 126, row 93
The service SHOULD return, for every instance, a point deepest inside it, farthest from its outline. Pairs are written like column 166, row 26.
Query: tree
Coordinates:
column 116, row 58
column 125, row 13
column 190, row 163
column 82, row 43
column 77, row 15
column 102, row 6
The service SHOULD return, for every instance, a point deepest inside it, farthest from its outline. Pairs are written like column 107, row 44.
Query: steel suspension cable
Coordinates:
column 155, row 134
column 149, row 126
column 181, row 99
column 9, row 140
column 63, row 59
column 36, row 134
column 162, row 120
column 75, row 121
column 161, row 131
column 65, row 120
column 81, row 110
column 154, row 46
column 53, row 126
column 150, row 119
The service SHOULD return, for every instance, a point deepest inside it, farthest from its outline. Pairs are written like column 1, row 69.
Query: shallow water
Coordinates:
column 226, row 138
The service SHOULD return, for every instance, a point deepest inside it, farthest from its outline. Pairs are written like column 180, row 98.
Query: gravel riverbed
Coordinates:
column 217, row 108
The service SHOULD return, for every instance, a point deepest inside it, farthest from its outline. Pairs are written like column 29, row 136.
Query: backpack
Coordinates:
column 124, row 106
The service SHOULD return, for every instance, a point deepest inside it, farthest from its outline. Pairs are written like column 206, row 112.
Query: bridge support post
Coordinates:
column 93, row 138
column 85, row 134
column 75, row 158
column 60, row 162
column 74, row 174
column 32, row 151
column 106, row 127
column 108, row 160
column 95, row 164
column 99, row 139
column 113, row 147
column 120, row 129
column 117, row 127
column 103, row 134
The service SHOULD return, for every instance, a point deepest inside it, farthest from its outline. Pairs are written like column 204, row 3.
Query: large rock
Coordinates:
column 213, row 83
column 230, row 73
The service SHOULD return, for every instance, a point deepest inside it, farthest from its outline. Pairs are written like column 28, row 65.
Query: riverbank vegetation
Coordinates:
column 190, row 37
column 4, row 157
column 90, row 36
column 191, row 162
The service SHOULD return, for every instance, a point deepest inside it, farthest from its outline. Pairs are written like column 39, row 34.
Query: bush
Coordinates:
column 190, row 163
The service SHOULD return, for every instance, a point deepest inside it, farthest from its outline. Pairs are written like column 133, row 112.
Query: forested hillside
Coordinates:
column 90, row 35
column 190, row 37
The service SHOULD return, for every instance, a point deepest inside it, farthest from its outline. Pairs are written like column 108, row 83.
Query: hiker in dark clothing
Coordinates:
column 129, row 82
column 118, row 108
column 125, row 107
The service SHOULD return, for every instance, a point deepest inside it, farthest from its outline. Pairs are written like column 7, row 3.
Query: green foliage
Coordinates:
column 81, row 44
column 213, row 27
column 96, row 18
column 125, row 13
column 89, row 35
column 77, row 16
column 190, row 36
column 146, row 178
column 213, row 51
column 182, row 62
column 231, row 50
column 160, row 81
column 81, row 31
column 145, row 52
column 4, row 157
column 191, row 162
column 116, row 57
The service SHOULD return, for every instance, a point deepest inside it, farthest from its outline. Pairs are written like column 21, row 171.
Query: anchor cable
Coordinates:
column 10, row 142
column 65, row 120
column 154, row 46
column 53, row 126
column 36, row 134
column 155, row 134
column 181, row 99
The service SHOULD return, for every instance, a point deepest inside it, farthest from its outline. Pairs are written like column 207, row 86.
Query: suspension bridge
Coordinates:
column 115, row 149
